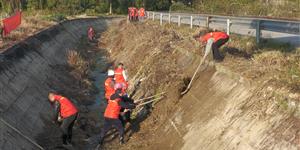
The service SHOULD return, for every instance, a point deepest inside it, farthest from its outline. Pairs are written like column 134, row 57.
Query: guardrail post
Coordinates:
column 191, row 22
column 179, row 18
column 207, row 21
column 169, row 18
column 153, row 15
column 161, row 21
column 258, row 32
column 228, row 26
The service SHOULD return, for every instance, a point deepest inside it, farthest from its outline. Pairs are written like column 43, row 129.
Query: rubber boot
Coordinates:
column 101, row 142
column 65, row 137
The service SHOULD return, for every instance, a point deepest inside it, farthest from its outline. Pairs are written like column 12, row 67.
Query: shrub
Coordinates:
column 90, row 12
column 180, row 7
column 102, row 8
column 76, row 61
column 57, row 17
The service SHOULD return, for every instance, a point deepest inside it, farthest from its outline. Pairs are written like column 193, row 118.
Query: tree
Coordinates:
column 163, row 4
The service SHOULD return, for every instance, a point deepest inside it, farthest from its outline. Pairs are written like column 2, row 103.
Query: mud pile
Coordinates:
column 223, row 110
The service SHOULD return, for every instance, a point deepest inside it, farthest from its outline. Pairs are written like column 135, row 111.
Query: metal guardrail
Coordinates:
column 240, row 25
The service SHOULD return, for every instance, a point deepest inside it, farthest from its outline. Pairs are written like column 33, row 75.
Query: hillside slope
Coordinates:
column 230, row 106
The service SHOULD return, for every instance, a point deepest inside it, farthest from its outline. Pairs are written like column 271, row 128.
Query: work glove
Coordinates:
column 59, row 119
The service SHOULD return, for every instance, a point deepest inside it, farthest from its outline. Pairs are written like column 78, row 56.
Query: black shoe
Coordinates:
column 67, row 145
column 100, row 142
column 69, row 141
column 98, row 147
column 122, row 141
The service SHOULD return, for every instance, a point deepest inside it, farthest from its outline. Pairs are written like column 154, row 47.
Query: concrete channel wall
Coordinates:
column 24, row 70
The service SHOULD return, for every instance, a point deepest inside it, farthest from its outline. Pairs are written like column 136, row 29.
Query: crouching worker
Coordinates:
column 218, row 38
column 65, row 114
column 125, row 114
column 111, row 115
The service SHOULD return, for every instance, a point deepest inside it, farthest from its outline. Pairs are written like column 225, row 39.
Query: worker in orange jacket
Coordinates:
column 65, row 113
column 142, row 13
column 109, row 84
column 112, row 112
column 121, row 76
column 219, row 39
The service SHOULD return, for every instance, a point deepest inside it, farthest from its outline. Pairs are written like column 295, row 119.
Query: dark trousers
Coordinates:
column 67, row 127
column 215, row 48
column 108, row 124
column 125, row 116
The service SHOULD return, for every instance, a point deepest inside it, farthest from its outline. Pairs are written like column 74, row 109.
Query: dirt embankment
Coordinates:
column 228, row 107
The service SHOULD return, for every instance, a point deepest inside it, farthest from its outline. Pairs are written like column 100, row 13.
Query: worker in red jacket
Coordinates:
column 109, row 84
column 65, row 113
column 136, row 14
column 132, row 13
column 121, row 76
column 91, row 34
column 219, row 39
column 111, row 115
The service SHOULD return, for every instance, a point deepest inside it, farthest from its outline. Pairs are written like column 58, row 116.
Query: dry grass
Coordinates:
column 78, row 63
column 270, row 60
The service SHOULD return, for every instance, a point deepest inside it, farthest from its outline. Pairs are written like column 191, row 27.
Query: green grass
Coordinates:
column 274, row 8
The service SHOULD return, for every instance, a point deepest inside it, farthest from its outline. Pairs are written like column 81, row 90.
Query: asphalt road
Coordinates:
column 279, row 30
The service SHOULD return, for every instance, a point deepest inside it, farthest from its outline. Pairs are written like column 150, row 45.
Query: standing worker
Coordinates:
column 130, row 9
column 142, row 13
column 121, row 76
column 91, row 34
column 131, row 13
column 128, row 13
column 219, row 39
column 109, row 84
column 112, row 112
column 136, row 14
column 65, row 113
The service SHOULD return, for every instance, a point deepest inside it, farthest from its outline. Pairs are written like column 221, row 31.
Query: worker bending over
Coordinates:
column 219, row 39
column 66, row 114
column 109, row 84
column 112, row 112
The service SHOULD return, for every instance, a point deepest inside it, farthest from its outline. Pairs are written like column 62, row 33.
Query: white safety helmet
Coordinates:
column 110, row 73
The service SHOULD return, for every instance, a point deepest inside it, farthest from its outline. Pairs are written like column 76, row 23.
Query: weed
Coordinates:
column 57, row 17
column 76, row 61
column 281, row 101
column 267, row 45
